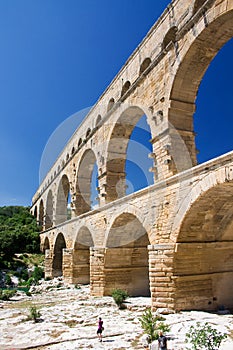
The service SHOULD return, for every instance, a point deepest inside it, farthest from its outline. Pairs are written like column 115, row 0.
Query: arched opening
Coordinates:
column 88, row 132
column 67, row 157
column 46, row 244
column 35, row 212
column 73, row 150
column 41, row 214
column 213, row 125
column 145, row 64
column 63, row 195
column 98, row 120
column 197, row 5
column 128, row 163
column 110, row 104
column 203, row 262
column 49, row 211
column 125, row 87
column 170, row 37
column 80, row 142
column 126, row 259
column 85, row 183
column 60, row 244
column 186, row 84
column 81, row 256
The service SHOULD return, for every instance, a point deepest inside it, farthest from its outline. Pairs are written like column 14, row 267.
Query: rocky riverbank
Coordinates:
column 69, row 319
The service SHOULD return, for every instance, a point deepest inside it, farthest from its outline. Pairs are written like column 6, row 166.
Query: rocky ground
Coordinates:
column 69, row 319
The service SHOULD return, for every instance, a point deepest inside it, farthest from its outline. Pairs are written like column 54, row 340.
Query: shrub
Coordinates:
column 152, row 325
column 119, row 297
column 204, row 337
column 37, row 274
column 34, row 314
column 7, row 294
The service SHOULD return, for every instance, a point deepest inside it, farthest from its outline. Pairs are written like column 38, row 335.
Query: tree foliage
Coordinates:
column 19, row 233
column 119, row 297
column 152, row 325
column 203, row 336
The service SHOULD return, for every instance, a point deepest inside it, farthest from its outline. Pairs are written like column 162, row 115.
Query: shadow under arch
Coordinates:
column 49, row 211
column 203, row 261
column 117, row 152
column 45, row 245
column 57, row 265
column 190, row 73
column 81, row 256
column 84, row 182
column 41, row 214
column 63, row 192
column 126, row 259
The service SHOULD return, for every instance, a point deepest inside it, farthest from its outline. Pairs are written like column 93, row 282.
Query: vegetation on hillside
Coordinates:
column 19, row 233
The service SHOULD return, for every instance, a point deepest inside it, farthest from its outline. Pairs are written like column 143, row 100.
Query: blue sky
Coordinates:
column 58, row 56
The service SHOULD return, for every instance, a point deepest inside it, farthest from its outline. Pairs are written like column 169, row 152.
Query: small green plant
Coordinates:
column 6, row 294
column 203, row 336
column 152, row 325
column 119, row 297
column 34, row 314
column 37, row 274
column 8, row 280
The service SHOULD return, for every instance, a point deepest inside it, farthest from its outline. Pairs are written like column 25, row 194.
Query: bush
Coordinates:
column 34, row 314
column 152, row 325
column 119, row 297
column 8, row 280
column 7, row 294
column 204, row 337
column 37, row 274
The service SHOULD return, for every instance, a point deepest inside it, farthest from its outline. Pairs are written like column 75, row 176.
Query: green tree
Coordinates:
column 152, row 325
column 19, row 233
column 203, row 336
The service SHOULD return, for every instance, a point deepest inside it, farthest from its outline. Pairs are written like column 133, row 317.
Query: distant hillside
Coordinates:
column 19, row 233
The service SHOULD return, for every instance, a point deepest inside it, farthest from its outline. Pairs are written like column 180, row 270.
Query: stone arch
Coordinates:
column 190, row 72
column 125, row 87
column 62, row 200
column 41, row 214
column 126, row 264
column 203, row 260
column 117, row 152
column 81, row 256
column 57, row 266
column 145, row 64
column 170, row 37
column 83, row 182
column 110, row 104
column 49, row 210
column 98, row 120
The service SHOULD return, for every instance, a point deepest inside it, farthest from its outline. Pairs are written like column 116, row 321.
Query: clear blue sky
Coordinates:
column 58, row 56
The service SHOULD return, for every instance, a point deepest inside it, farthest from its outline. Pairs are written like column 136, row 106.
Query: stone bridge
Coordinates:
column 172, row 239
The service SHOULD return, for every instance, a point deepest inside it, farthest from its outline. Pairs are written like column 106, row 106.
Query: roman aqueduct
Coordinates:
column 171, row 240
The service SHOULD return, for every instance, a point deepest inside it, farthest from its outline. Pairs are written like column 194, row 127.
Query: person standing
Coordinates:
column 100, row 329
column 162, row 341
